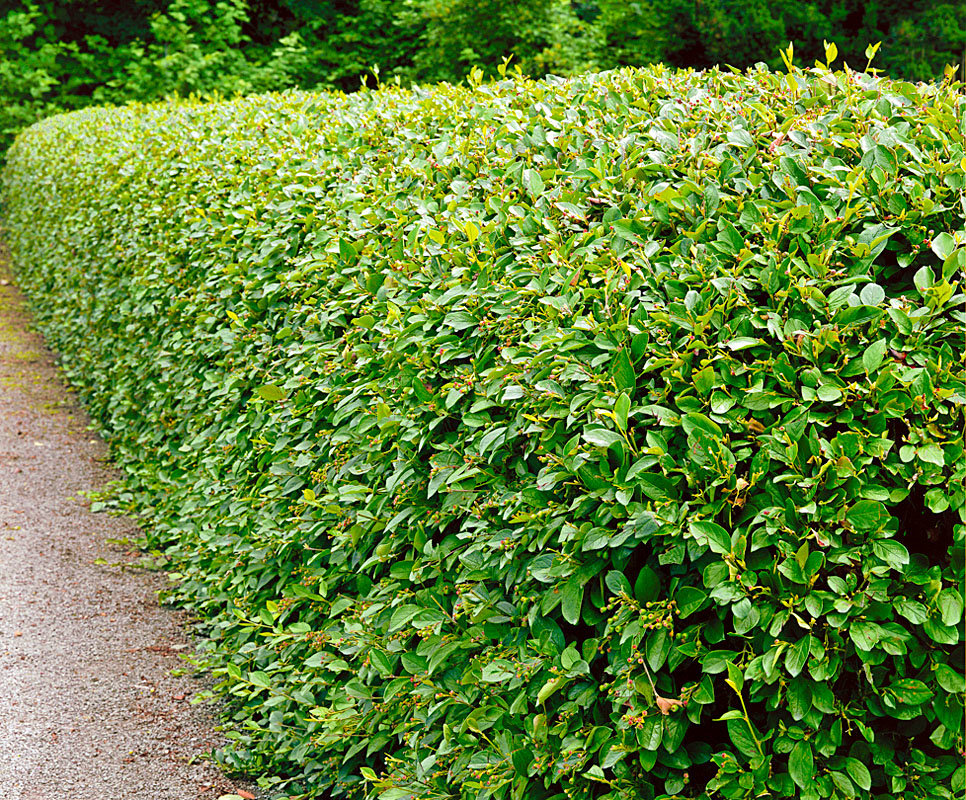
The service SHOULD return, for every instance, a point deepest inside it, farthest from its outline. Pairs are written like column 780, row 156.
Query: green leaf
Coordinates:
column 347, row 252
column 602, row 437
column 689, row 599
column 422, row 393
column 873, row 355
column 936, row 500
column 950, row 605
column 656, row 487
column 617, row 582
column 533, row 182
column 694, row 421
column 647, row 585
column 414, row 663
column 270, row 392
column 498, row 671
column 801, row 764
column 522, row 758
column 892, row 552
column 791, row 569
column 621, row 408
column 714, row 535
column 460, row 320
column 950, row 680
column 931, row 454
column 943, row 245
column 924, row 279
column 872, row 294
column 740, row 735
column 856, row 315
column 651, row 731
column 657, row 649
column 882, row 157
column 912, row 610
column 569, row 658
column 799, row 695
column 704, row 380
column 571, row 599
column 940, row 633
column 859, row 773
column 721, row 403
column 742, row 343
column 548, row 689
column 381, row 662
column 441, row 656
column 958, row 781
column 736, row 678
column 842, row 783
column 796, row 656
column 901, row 320
column 403, row 615
column 867, row 515
column 396, row 794
column 622, row 371
column 865, row 635
column 260, row 678
column 910, row 691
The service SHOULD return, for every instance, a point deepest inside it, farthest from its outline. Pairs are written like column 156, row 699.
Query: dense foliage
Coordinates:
column 587, row 438
column 58, row 55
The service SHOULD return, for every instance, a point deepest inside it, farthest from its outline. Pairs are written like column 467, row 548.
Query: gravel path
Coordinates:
column 88, row 708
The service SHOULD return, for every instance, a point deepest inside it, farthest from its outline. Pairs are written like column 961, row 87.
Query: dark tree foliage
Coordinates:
column 59, row 56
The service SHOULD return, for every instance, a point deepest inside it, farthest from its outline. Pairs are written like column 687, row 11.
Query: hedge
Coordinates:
column 597, row 438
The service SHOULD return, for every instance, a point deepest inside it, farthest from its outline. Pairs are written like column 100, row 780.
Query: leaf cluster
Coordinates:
column 590, row 438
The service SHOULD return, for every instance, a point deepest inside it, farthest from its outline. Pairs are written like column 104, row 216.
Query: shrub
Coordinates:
column 596, row 438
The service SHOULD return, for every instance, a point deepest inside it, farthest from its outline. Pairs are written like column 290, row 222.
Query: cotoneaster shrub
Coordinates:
column 596, row 438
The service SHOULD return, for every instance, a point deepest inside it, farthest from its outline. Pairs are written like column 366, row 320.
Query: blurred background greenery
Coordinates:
column 64, row 54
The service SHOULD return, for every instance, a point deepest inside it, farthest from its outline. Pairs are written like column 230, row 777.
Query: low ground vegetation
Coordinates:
column 587, row 438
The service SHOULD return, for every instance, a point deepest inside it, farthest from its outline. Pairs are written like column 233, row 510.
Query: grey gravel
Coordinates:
column 88, row 707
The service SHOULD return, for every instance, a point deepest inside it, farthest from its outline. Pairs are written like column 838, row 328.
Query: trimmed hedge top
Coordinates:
column 596, row 438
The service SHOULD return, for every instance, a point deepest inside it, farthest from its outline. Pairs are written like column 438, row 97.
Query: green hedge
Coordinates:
column 596, row 438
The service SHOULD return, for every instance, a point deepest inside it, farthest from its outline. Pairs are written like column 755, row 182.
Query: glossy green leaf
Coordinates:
column 950, row 680
column 801, row 764
column 621, row 408
column 873, row 355
column 271, row 393
column 943, row 245
column 714, row 535
column 742, row 738
column 910, row 691
column 622, row 371
column 866, row 515
column 859, row 773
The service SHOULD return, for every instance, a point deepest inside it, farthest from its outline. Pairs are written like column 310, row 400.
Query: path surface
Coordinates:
column 88, row 709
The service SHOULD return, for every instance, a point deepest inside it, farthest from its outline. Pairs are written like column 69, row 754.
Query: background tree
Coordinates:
column 58, row 55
